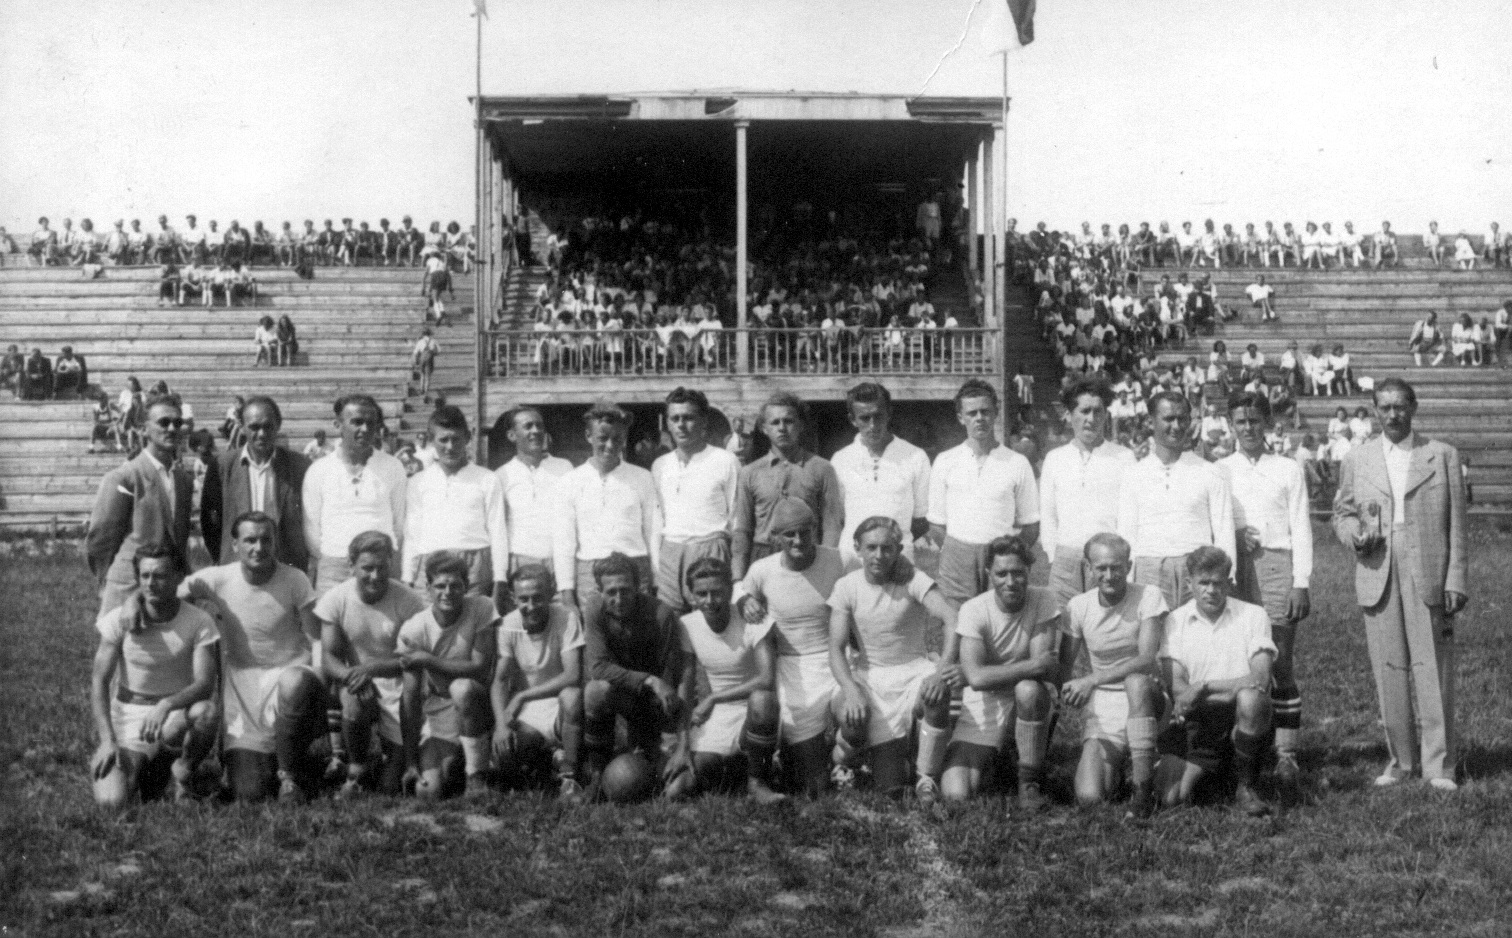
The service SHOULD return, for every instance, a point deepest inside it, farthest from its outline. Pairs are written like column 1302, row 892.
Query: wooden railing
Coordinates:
column 628, row 352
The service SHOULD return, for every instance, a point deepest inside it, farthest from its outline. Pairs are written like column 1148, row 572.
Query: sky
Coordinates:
column 1238, row 110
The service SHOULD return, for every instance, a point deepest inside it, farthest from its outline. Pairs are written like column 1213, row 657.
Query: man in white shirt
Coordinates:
column 454, row 505
column 695, row 485
column 1273, row 536
column 357, row 488
column 192, row 243
column 605, row 506
column 530, row 480
column 978, row 491
column 1216, row 660
column 1079, row 485
column 1173, row 502
column 1260, row 294
column 879, row 473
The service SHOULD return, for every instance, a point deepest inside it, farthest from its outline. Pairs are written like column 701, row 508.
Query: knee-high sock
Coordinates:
column 474, row 753
column 758, row 749
column 1141, row 732
column 1031, row 737
column 1246, row 756
column 1288, row 722
column 338, row 738
column 298, row 722
column 930, row 760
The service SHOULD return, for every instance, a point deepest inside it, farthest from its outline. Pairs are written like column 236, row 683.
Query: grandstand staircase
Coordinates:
column 356, row 328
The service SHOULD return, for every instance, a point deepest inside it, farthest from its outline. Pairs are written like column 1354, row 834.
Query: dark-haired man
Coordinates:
column 880, row 473
column 454, row 505
column 530, row 481
column 160, row 654
column 261, row 476
column 696, row 485
column 789, row 470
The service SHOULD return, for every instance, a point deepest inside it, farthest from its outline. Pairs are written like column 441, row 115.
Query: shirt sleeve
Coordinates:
column 842, row 597
column 920, row 585
column 832, row 508
column 412, row 635
column 110, row 627
column 651, row 519
column 1301, row 527
column 564, row 536
column 572, row 631
column 207, row 633
column 1152, row 604
column 328, row 607
column 1221, row 509
column 409, row 526
column 1258, row 635
column 937, row 475
column 732, row 491
column 1026, row 500
column 498, row 527
column 1049, row 520
column 745, row 503
column 971, row 622
column 313, row 499
column 921, row 485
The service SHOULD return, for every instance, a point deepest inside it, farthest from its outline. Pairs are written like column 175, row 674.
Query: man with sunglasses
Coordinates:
column 145, row 501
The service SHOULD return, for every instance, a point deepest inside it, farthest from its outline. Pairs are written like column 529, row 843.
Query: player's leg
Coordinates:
column 570, row 732
column 967, row 766
column 1097, row 771
column 1145, row 700
column 758, row 741
column 1031, row 731
column 300, row 720
column 531, row 751
column 193, row 735
column 850, row 749
column 358, row 718
column 1252, row 719
column 1286, row 701
column 253, row 775
column 934, row 739
column 888, row 761
column 598, row 727
column 119, row 786
column 471, row 700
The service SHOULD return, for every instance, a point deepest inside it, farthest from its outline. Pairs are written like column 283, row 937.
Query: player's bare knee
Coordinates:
column 570, row 704
column 465, row 692
column 596, row 700
column 1252, row 709
column 112, row 792
column 1032, row 700
column 1143, row 694
column 297, row 685
column 762, row 710
column 955, row 785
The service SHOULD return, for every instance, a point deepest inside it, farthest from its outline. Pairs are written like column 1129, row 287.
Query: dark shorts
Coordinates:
column 1205, row 738
column 961, row 574
column 673, row 563
column 1264, row 577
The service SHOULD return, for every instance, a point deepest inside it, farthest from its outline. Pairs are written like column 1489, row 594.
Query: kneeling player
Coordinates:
column 359, row 627
column 1009, row 639
column 635, row 665
column 537, row 687
column 1118, row 623
column 1216, row 658
column 448, row 654
column 893, row 681
column 161, row 653
column 272, row 701
column 739, row 717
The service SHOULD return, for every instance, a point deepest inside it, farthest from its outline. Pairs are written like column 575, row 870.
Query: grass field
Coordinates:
column 1351, row 861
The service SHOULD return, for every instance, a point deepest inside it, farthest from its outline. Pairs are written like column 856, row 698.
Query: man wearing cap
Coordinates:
column 789, row 470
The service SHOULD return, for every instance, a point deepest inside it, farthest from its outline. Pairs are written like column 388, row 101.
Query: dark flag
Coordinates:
column 1023, row 19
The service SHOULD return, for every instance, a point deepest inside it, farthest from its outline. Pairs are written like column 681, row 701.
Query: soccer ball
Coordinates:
column 628, row 779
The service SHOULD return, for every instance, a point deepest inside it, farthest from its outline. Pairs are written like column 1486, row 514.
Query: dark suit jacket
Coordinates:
column 227, row 495
column 132, row 509
column 1435, row 509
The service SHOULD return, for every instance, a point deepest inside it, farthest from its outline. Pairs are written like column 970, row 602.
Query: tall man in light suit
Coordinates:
column 144, row 501
column 261, row 476
column 1401, row 508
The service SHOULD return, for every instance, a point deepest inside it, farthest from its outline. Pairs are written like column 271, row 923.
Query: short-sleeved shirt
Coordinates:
column 1216, row 651
column 1111, row 633
column 159, row 659
column 454, row 642
column 1007, row 635
column 539, row 656
column 371, row 630
column 891, row 623
column 797, row 600
column 260, row 625
column 728, row 657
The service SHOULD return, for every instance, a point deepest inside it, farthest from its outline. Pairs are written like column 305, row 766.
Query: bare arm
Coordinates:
column 1040, row 665
column 1077, row 692
column 854, row 712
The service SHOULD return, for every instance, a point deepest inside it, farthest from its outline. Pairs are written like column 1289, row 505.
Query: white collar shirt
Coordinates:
column 894, row 484
column 598, row 514
column 165, row 476
column 1270, row 496
column 1170, row 511
column 259, row 483
column 342, row 500
column 460, row 511
column 697, row 496
column 529, row 495
column 978, row 498
column 1398, row 465
column 1216, row 651
column 1079, row 492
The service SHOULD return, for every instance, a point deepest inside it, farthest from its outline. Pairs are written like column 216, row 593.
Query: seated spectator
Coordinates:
column 288, row 341
column 231, row 427
column 1426, row 338
column 1383, row 246
column 7, row 243
column 1283, row 404
column 1251, row 363
column 1352, row 245
column 237, row 248
column 193, row 282
column 242, row 285
column 193, row 248
column 106, row 431
column 1464, row 252
column 70, row 374
column 1291, row 368
column 1186, row 245
column 265, row 338
column 412, row 239
column 1338, row 423
column 348, row 243
column 1501, row 331
column 1320, row 377
column 1202, row 310
column 1361, row 428
column 220, row 279
column 116, row 248
column 1337, row 449
column 131, row 414
column 287, row 246
column 1343, row 374
column 1331, row 245
column 386, row 243
column 169, row 285
column 262, row 247
column 1433, row 244
column 1494, row 250
column 215, row 243
column 1273, row 245
column 1260, row 294
column 310, row 242
column 12, row 366
column 1462, row 344
column 318, row 447
column 165, row 243
column 1210, row 246
column 459, row 247
column 138, row 244
column 44, row 244
column 1485, row 336
column 1312, row 247
column 36, row 377
column 327, row 244
column 1127, row 412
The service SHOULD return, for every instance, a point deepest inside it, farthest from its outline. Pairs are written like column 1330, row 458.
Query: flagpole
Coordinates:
column 480, row 257
column 1002, row 278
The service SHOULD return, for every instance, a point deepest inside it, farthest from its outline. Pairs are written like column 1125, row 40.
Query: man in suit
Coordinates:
column 1401, row 508
column 144, row 501
column 261, row 476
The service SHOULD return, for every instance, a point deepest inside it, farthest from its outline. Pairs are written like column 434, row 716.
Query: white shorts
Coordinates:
column 987, row 716
column 720, row 733
column 249, row 704
column 442, row 719
column 127, row 719
column 1106, row 716
column 805, row 686
column 541, row 716
column 390, row 690
column 892, row 696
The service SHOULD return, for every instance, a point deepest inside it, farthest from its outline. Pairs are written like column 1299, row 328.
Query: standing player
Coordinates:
column 1118, row 622
column 891, row 681
column 739, row 717
column 454, row 505
column 978, row 491
column 1008, row 640
column 1216, row 659
column 359, row 636
column 1275, row 544
column 272, row 701
column 1173, row 502
column 538, row 684
column 787, row 471
column 696, row 486
column 1079, row 485
column 530, row 481
column 879, row 473
column 160, row 653
column 357, row 488
column 448, row 656
column 635, row 665
column 604, row 506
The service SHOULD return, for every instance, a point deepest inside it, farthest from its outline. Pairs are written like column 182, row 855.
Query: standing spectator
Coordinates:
column 1485, row 341
column 1500, row 328
column 437, row 281
column 1494, row 250
column 288, row 341
column 1401, row 509
column 423, row 360
column 258, row 475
